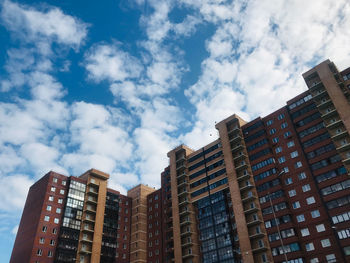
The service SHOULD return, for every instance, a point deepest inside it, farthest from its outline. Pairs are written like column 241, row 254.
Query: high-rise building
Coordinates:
column 275, row 189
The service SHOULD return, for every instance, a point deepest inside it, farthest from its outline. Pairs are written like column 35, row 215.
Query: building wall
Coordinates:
column 36, row 239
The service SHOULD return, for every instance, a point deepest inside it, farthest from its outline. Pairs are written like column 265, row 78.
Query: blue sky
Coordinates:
column 117, row 85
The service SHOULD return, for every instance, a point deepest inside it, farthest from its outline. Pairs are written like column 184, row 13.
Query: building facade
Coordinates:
column 275, row 189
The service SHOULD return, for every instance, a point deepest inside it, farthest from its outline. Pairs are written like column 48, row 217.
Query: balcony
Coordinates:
column 235, row 130
column 182, row 183
column 181, row 175
column 184, row 212
column 315, row 85
column 90, row 209
column 334, row 124
column 86, row 240
column 254, row 222
column 241, row 166
column 180, row 166
column 93, row 191
column 259, row 249
column 236, row 139
column 88, row 229
column 324, row 104
column 251, row 210
column 185, row 222
column 328, row 114
column 343, row 147
column 91, row 200
column 89, row 218
column 85, row 251
column 339, row 135
column 243, row 177
column 319, row 94
column 246, row 187
column 248, row 198
column 240, row 156
column 346, row 161
column 183, row 202
column 236, row 147
column 187, row 255
column 256, row 235
column 92, row 181
column 186, row 232
column 182, row 193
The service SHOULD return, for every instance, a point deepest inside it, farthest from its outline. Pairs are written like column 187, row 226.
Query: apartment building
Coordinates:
column 274, row 189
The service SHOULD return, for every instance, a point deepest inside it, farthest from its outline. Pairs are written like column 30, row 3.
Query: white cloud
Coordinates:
column 110, row 62
column 51, row 23
column 13, row 191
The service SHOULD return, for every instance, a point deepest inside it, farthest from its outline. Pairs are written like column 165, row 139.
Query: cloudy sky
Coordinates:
column 117, row 85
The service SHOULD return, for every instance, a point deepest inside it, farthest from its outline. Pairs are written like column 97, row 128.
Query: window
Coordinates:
column 278, row 149
column 273, row 131
column 56, row 220
column 42, row 240
column 310, row 200
column 60, row 200
column 62, row 192
column 284, row 125
column 335, row 187
column 39, row 252
column 48, row 208
column 280, row 117
column 54, row 180
column 287, row 134
column 290, row 144
column 314, row 260
column 292, row 193
column 46, row 218
column 58, row 210
column 306, row 188
column 305, row 232
column 49, row 254
column 53, row 189
column 64, row 182
column 282, row 159
column 309, row 246
column 285, row 169
column 320, row 228
column 275, row 140
column 269, row 122
column 341, row 218
column 302, row 176
column 298, row 164
column 325, row 242
column 288, row 181
column 331, row 258
column 52, row 242
column 294, row 154
column 300, row 218
column 315, row 213
column 44, row 229
column 50, row 198
column 296, row 205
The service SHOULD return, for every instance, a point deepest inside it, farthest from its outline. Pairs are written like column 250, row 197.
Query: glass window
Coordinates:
column 294, row 154
column 58, row 210
column 275, row 140
column 280, row 116
column 42, row 240
column 298, row 164
column 325, row 242
column 309, row 246
column 331, row 258
column 310, row 200
column 288, row 181
column 278, row 149
column 62, row 191
column 292, row 193
column 60, row 200
column 282, row 159
column 315, row 213
column 314, row 260
column 273, row 131
column 50, row 198
column 305, row 232
column 48, row 208
column 39, row 252
column 300, row 218
column 53, row 189
column 46, row 218
column 284, row 125
column 287, row 134
column 290, row 144
column 296, row 205
column 55, row 180
column 302, row 176
column 306, row 188
column 320, row 228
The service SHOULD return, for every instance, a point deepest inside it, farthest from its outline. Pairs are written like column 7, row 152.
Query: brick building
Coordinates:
column 275, row 189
